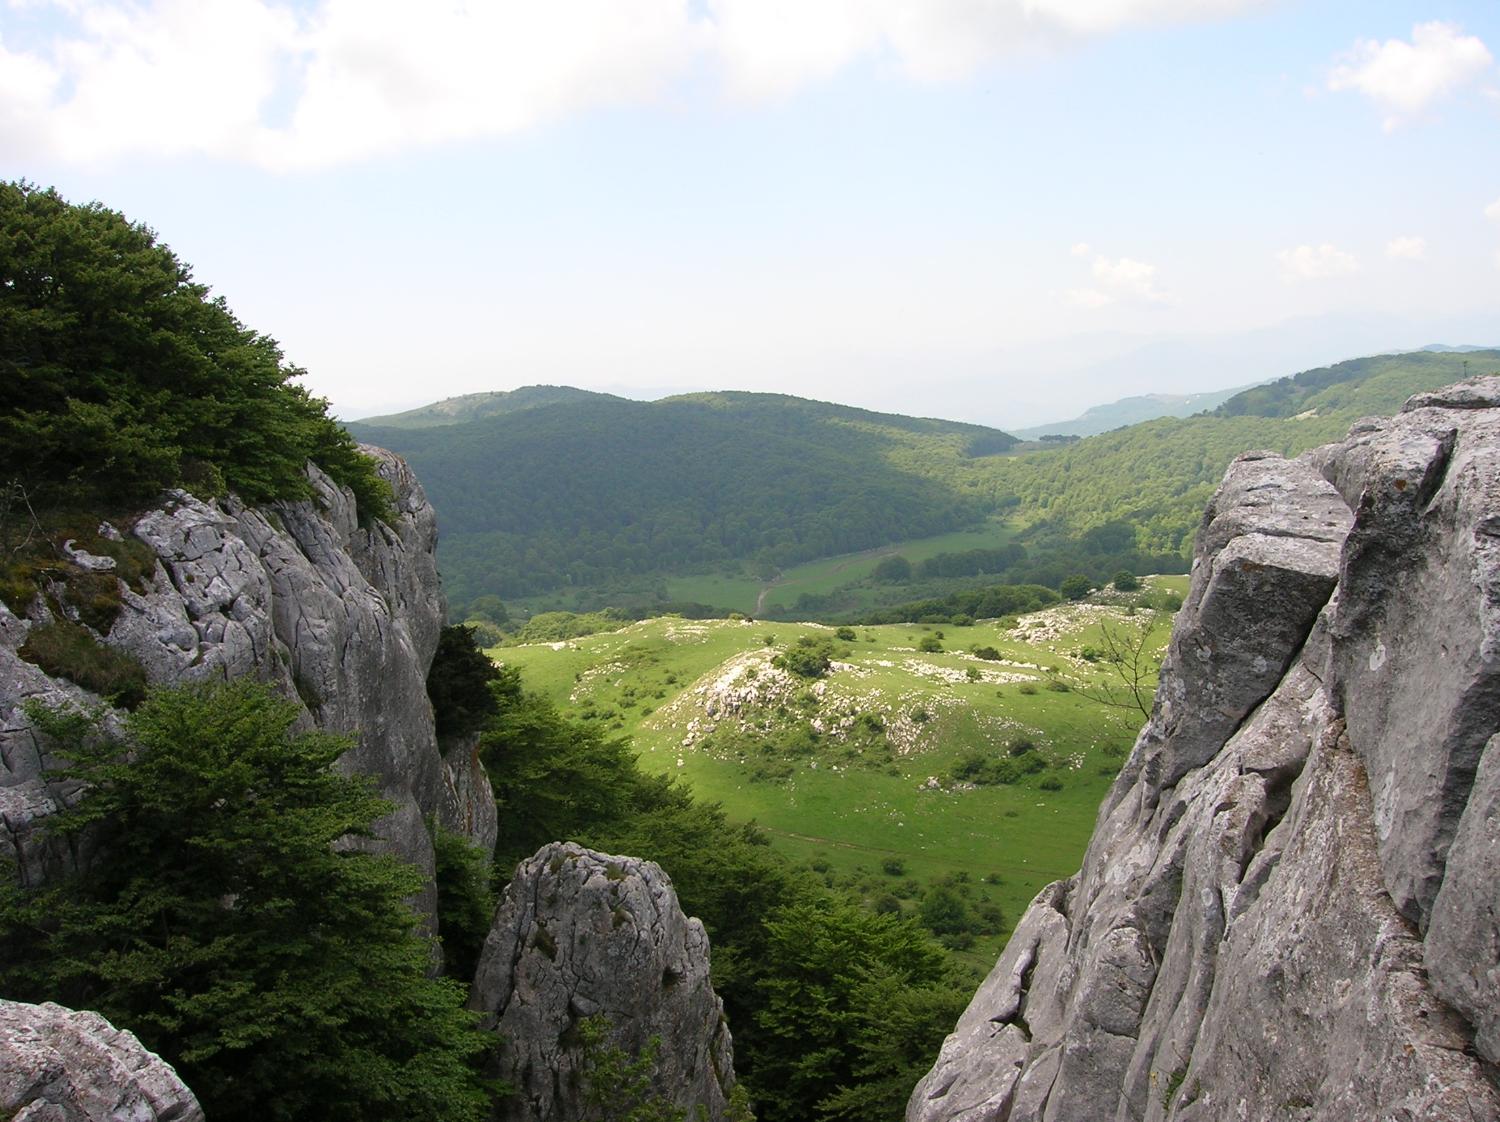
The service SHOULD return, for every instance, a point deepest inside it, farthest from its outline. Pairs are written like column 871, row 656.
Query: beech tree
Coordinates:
column 212, row 914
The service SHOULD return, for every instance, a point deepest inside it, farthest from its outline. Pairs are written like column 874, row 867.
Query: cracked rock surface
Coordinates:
column 60, row 1066
column 579, row 934
column 1290, row 907
column 343, row 620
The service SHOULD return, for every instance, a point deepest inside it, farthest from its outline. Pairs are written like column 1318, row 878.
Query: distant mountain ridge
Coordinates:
column 1131, row 411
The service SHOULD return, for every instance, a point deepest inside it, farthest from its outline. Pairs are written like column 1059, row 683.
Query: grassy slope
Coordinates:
column 744, row 594
column 655, row 681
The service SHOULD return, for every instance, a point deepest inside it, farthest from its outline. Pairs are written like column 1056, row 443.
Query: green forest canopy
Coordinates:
column 579, row 493
column 120, row 375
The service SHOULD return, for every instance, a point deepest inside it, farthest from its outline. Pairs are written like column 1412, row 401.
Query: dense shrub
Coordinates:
column 69, row 650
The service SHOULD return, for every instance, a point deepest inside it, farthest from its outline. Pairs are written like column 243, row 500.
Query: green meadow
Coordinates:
column 746, row 594
column 860, row 772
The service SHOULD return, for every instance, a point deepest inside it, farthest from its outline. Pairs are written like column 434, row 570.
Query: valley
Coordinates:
column 765, row 504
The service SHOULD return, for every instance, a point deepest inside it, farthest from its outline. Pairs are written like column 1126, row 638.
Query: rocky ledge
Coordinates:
column 1288, row 909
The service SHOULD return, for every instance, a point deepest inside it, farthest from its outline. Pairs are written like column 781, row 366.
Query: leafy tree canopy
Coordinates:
column 212, row 916
column 120, row 375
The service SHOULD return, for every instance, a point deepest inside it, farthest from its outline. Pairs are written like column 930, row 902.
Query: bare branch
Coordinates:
column 1133, row 658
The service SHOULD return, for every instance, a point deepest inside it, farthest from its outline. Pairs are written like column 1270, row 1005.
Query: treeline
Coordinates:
column 938, row 586
column 965, row 607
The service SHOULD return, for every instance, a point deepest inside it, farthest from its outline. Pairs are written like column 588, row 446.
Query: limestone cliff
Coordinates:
column 60, row 1066
column 580, row 934
column 342, row 619
column 1288, row 909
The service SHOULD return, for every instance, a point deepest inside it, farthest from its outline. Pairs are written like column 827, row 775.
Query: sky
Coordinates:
column 1001, row 211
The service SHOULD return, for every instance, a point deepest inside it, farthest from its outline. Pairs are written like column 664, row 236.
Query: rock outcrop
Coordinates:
column 1288, row 909
column 581, row 934
column 342, row 619
column 60, row 1066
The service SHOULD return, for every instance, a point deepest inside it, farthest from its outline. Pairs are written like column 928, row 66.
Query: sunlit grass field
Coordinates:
column 743, row 593
column 855, row 809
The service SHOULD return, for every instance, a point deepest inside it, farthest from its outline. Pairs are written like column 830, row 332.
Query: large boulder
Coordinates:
column 60, row 1066
column 1287, row 909
column 580, row 935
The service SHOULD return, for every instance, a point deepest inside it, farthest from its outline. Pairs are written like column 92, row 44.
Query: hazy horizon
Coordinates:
column 1002, row 212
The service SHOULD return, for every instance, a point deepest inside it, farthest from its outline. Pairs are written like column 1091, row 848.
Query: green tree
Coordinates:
column 1126, row 581
column 119, row 375
column 894, row 569
column 458, row 684
column 552, row 777
column 465, row 902
column 828, row 968
column 212, row 914
column 807, row 658
column 1076, row 587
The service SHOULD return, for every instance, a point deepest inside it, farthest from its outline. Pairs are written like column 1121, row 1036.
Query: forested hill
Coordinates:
column 476, row 406
column 1378, row 384
column 583, row 492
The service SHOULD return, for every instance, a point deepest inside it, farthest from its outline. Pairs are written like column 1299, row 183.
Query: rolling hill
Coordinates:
column 477, row 406
column 1361, row 386
column 584, row 492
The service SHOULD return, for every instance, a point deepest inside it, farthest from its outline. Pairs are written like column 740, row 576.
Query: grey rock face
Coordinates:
column 468, row 806
column 343, row 620
column 580, row 934
column 60, row 1066
column 1288, row 909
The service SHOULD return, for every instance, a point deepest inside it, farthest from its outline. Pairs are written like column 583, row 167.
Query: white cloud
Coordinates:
column 1119, row 280
column 1081, row 249
column 339, row 80
column 1406, row 248
column 1405, row 78
column 1492, row 212
column 1308, row 262
column 770, row 47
